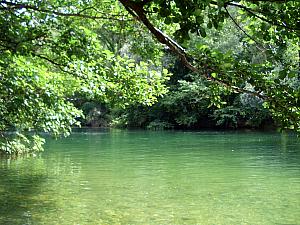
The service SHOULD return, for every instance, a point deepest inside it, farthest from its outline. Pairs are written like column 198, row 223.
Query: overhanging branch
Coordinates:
column 138, row 12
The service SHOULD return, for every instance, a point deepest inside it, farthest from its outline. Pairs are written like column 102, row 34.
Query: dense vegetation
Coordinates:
column 234, row 64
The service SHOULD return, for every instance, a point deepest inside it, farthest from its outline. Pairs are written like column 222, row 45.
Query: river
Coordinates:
column 162, row 177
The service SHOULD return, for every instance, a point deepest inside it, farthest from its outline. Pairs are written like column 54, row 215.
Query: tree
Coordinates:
column 53, row 50
column 49, row 55
column 271, row 26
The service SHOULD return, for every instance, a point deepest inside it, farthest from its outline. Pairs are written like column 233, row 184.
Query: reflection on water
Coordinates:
column 137, row 177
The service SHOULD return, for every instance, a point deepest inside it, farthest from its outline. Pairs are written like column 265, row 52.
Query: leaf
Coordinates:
column 214, row 75
column 282, row 74
column 198, row 12
column 209, row 25
column 202, row 32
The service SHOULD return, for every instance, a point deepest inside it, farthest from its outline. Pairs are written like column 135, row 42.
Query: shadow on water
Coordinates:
column 20, row 185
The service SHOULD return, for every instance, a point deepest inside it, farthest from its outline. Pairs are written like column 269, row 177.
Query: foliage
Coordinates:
column 55, row 52
column 95, row 114
column 50, row 56
column 32, row 98
column 20, row 144
column 193, row 102
column 159, row 125
column 245, row 111
column 270, row 26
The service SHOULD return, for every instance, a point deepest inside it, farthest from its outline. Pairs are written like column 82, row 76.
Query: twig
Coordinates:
column 241, row 29
column 273, row 22
column 60, row 66
column 26, row 6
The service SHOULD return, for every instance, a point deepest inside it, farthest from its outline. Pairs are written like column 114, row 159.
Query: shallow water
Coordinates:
column 141, row 177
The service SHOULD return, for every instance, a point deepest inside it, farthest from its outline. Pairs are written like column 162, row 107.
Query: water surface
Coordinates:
column 141, row 177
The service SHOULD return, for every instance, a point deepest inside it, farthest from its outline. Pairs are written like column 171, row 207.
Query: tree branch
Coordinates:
column 16, row 6
column 59, row 66
column 138, row 12
column 273, row 22
column 240, row 28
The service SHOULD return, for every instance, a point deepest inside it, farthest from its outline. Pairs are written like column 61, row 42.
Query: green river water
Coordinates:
column 142, row 177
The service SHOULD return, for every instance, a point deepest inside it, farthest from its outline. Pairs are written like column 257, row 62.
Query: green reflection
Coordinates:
column 137, row 177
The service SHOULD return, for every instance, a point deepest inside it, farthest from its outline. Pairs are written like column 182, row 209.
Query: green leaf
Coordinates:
column 214, row 75
column 202, row 32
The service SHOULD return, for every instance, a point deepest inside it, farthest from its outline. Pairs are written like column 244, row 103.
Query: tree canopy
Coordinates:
column 269, row 25
column 53, row 52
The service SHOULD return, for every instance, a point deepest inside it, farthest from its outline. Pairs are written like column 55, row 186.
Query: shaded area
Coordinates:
column 20, row 186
